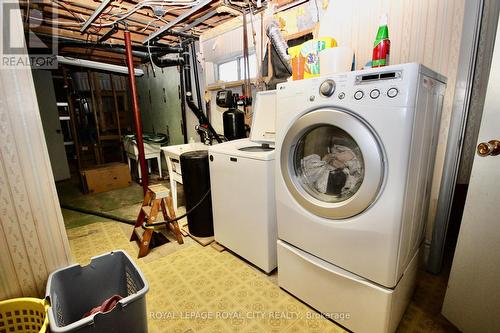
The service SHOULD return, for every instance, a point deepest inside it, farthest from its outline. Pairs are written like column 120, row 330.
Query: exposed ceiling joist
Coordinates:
column 95, row 14
column 100, row 19
column 164, row 30
column 202, row 19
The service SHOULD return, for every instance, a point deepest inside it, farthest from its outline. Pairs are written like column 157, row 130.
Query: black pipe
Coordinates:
column 202, row 118
column 183, row 106
column 154, row 47
column 177, row 34
column 138, row 50
column 108, row 34
column 166, row 62
column 196, row 76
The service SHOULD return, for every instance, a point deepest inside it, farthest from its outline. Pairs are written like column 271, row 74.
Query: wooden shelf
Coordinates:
column 223, row 85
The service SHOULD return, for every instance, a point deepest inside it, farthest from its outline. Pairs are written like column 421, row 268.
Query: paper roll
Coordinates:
column 335, row 60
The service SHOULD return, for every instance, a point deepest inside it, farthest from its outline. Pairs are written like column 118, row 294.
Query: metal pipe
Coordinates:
column 183, row 106
column 106, row 47
column 196, row 77
column 103, row 66
column 108, row 34
column 136, row 111
column 202, row 118
column 166, row 62
column 136, row 50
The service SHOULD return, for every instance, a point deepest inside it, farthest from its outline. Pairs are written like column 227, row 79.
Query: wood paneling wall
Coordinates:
column 425, row 31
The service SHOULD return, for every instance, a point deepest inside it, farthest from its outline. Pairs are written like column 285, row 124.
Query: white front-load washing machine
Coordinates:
column 354, row 163
column 242, row 183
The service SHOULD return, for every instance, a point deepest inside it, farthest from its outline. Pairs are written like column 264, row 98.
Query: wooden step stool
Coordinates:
column 157, row 197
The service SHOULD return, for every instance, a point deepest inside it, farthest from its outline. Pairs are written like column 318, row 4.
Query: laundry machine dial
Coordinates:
column 327, row 88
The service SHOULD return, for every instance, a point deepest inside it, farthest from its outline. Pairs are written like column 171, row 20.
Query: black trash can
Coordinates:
column 196, row 181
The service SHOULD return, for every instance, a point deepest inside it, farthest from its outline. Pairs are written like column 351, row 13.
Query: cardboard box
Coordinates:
column 105, row 177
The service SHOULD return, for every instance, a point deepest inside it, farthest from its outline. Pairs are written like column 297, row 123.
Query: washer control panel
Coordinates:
column 374, row 87
column 339, row 88
column 327, row 88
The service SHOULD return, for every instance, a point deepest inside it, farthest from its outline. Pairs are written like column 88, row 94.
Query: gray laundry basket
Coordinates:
column 75, row 290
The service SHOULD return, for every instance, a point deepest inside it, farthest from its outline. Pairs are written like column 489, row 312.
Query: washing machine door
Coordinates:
column 332, row 163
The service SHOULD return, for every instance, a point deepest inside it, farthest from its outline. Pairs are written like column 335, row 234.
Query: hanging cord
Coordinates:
column 155, row 224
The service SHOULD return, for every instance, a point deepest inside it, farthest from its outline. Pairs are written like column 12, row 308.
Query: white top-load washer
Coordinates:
column 242, row 182
column 354, row 164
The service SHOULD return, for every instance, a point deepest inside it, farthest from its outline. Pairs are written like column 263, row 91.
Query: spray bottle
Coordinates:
column 382, row 44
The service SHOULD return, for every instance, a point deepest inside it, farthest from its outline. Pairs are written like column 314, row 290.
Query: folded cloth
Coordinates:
column 106, row 306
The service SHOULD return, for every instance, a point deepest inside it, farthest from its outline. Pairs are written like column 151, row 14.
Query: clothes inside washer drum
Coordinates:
column 338, row 173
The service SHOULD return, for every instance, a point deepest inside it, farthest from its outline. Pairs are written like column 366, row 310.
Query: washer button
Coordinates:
column 359, row 94
column 375, row 93
column 327, row 88
column 392, row 92
column 341, row 95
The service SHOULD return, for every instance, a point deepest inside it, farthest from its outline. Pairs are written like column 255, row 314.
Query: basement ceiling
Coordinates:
column 66, row 20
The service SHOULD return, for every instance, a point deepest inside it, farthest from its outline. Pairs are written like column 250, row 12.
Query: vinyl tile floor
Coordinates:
column 198, row 289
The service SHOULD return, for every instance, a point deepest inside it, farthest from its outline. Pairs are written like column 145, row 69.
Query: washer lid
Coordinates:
column 236, row 148
column 264, row 117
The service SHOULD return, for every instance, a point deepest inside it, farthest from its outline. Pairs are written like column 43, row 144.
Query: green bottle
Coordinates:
column 382, row 44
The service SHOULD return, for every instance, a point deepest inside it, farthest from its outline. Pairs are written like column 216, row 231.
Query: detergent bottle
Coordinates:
column 382, row 45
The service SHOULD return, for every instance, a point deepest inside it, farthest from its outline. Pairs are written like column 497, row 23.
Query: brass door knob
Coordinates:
column 490, row 148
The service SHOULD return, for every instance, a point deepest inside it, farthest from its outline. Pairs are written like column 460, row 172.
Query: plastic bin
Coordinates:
column 26, row 315
column 75, row 290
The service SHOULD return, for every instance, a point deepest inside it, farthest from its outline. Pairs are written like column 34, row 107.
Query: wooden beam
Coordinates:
column 199, row 20
column 95, row 14
column 163, row 30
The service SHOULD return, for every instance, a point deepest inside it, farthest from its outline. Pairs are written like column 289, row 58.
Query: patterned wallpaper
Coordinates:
column 33, row 240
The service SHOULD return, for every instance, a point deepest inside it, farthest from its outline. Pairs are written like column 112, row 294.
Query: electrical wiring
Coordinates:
column 159, row 18
column 140, row 5
column 174, row 4
column 151, row 60
column 63, row 5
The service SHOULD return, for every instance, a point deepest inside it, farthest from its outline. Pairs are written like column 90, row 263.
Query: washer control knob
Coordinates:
column 327, row 88
column 393, row 92
column 375, row 93
column 358, row 95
